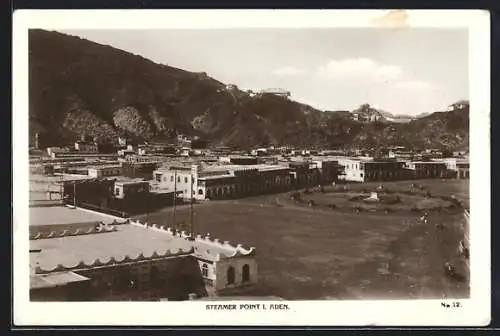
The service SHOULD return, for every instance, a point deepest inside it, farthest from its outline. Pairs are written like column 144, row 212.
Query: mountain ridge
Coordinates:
column 79, row 87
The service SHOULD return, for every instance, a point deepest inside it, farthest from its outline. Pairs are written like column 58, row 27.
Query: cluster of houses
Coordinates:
column 161, row 172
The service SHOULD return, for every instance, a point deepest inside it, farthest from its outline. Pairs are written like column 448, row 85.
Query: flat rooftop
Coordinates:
column 216, row 177
column 128, row 240
column 124, row 179
column 429, row 162
column 55, row 279
column 105, row 166
column 58, row 178
column 62, row 215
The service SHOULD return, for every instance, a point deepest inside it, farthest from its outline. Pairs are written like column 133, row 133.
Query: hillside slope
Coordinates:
column 80, row 87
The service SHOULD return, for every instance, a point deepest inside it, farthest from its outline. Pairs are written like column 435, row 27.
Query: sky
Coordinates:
column 405, row 71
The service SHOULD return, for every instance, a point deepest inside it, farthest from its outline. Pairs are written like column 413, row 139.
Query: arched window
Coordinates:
column 230, row 275
column 204, row 270
column 200, row 192
column 245, row 276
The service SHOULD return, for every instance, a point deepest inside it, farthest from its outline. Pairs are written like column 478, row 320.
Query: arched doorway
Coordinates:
column 245, row 275
column 230, row 275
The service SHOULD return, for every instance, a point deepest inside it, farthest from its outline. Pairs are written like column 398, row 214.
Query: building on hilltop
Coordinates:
column 275, row 91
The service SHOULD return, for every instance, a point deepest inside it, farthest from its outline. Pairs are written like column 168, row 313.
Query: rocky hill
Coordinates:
column 80, row 87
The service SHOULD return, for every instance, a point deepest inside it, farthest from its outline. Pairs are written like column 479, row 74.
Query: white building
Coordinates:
column 221, row 181
column 105, row 171
column 225, row 268
column 366, row 169
column 353, row 169
column 179, row 178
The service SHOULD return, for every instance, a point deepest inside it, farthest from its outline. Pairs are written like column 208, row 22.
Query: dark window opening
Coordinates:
column 230, row 275
column 245, row 277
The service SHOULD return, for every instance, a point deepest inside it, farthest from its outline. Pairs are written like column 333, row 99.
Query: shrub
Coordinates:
column 332, row 206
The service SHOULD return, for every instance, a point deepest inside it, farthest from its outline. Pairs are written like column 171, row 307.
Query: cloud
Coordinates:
column 288, row 71
column 414, row 85
column 361, row 68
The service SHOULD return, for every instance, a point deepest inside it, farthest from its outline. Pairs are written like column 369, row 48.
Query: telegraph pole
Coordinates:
column 74, row 194
column 191, row 210
column 175, row 197
column 61, row 190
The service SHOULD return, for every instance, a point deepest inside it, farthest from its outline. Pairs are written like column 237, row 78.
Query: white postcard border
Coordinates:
column 474, row 311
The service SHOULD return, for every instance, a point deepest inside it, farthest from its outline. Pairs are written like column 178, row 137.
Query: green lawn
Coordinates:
column 314, row 254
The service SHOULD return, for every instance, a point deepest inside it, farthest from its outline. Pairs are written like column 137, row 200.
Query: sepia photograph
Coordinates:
column 250, row 170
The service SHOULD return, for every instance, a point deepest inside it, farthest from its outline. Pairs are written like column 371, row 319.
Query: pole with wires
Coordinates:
column 191, row 209
column 175, row 197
